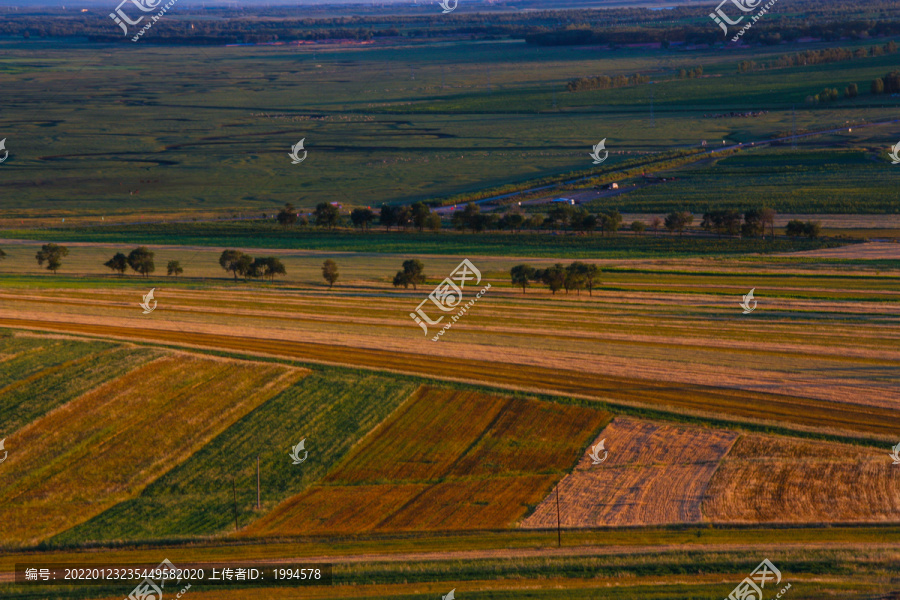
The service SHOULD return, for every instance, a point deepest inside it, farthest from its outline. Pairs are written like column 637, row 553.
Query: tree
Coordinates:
column 267, row 267
column 433, row 222
column 420, row 212
column 795, row 228
column 326, row 215
column 2, row 255
column 388, row 216
column 767, row 216
column 753, row 223
column 174, row 268
column 638, row 227
column 655, row 224
column 554, row 277
column 330, row 272
column 361, row 217
column 413, row 273
column 677, row 221
column 235, row 261
column 141, row 260
column 575, row 279
column 611, row 222
column 287, row 216
column 403, row 216
column 852, row 91
column 878, row 86
column 812, row 229
column 117, row 263
column 522, row 275
column 591, row 275
column 514, row 221
column 52, row 254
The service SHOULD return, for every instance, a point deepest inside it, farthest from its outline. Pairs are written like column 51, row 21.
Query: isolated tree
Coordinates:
column 174, row 268
column 326, row 215
column 52, row 254
column 235, row 261
column 330, row 272
column 119, row 263
column 141, row 260
column 287, row 216
column 522, row 275
column 877, row 86
column 361, row 217
column 638, row 227
column 852, row 91
column 413, row 273
column 433, row 222
column 2, row 255
column 554, row 277
column 655, row 224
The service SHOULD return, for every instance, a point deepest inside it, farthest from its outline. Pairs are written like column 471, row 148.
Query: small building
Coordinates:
column 613, row 186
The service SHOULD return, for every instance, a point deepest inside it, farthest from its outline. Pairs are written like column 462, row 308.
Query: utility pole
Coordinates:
column 558, row 531
column 257, row 482
column 234, row 490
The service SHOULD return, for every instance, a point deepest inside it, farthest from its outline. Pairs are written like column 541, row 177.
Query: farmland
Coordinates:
column 133, row 431
column 446, row 460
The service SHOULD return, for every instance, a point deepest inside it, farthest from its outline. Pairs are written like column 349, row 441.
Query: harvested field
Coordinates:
column 654, row 474
column 781, row 480
column 445, row 460
column 106, row 445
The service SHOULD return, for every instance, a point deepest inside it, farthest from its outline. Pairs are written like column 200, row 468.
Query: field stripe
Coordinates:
column 758, row 407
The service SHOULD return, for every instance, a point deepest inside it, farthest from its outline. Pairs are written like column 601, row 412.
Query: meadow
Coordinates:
column 138, row 136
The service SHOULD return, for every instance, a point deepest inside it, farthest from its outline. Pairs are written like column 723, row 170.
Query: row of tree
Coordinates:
column 817, row 57
column 239, row 263
column 576, row 276
column 605, row 82
column 728, row 222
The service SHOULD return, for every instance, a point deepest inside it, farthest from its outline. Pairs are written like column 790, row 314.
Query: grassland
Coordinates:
column 139, row 134
column 446, row 460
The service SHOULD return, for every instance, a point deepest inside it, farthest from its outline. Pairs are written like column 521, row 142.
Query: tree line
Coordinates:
column 576, row 276
column 605, row 82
